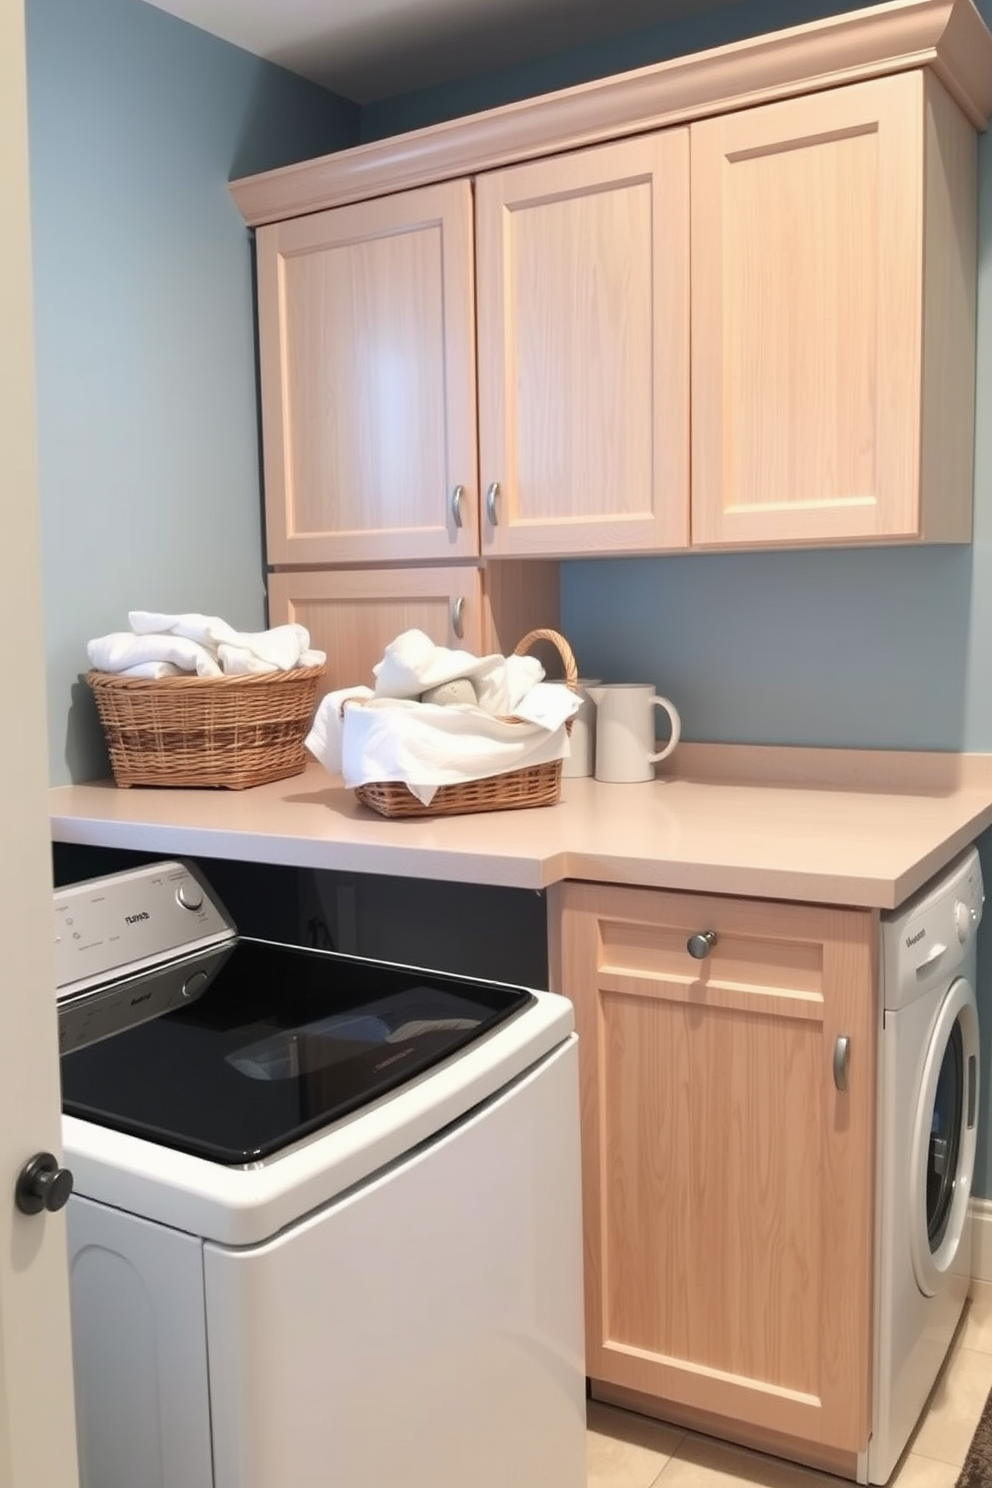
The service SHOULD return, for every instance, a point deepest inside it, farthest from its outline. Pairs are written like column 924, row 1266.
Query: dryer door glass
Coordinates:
column 945, row 1128
column 945, row 1137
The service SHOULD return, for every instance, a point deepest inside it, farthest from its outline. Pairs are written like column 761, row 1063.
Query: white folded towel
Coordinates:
column 412, row 664
column 203, row 644
column 153, row 670
column 240, row 661
column 366, row 738
column 281, row 647
column 123, row 650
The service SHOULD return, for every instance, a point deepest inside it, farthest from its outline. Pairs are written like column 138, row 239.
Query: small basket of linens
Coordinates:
column 186, row 700
column 444, row 733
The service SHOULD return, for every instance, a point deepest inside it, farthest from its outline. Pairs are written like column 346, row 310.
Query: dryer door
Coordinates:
column 944, row 1136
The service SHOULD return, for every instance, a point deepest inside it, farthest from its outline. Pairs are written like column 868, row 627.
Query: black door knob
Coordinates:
column 42, row 1184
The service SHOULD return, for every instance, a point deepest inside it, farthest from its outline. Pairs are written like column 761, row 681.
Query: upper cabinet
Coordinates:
column 583, row 322
column 367, row 338
column 366, row 321
column 833, row 318
column 724, row 301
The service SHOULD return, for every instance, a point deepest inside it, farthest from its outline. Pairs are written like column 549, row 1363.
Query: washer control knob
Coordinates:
column 964, row 919
column 189, row 894
column 194, row 985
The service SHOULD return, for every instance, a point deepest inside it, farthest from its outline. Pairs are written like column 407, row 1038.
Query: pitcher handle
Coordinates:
column 676, row 722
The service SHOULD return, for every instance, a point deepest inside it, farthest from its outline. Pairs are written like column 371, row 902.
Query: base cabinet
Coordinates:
column 728, row 1145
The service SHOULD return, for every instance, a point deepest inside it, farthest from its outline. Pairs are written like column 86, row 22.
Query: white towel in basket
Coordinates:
column 364, row 739
column 412, row 664
column 203, row 644
column 121, row 651
column 278, row 649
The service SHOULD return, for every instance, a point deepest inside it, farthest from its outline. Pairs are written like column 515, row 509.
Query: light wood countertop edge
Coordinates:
column 918, row 812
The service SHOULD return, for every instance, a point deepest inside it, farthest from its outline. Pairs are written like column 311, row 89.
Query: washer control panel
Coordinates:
column 931, row 933
column 127, row 923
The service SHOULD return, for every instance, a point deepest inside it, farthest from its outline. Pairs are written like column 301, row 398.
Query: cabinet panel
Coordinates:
column 353, row 614
column 582, row 265
column 808, row 296
column 367, row 350
column 727, row 1181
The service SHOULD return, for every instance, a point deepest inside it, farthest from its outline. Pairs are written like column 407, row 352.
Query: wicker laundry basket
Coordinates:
column 229, row 732
column 534, row 785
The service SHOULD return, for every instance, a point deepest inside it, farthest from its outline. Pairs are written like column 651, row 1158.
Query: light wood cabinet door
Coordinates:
column 833, row 318
column 727, row 1179
column 353, row 614
column 366, row 322
column 583, row 303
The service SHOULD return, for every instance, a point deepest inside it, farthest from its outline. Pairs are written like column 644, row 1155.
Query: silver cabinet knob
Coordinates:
column 458, row 616
column 699, row 946
column 457, row 496
column 492, row 496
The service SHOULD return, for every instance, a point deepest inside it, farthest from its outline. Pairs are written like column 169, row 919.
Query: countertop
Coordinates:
column 853, row 827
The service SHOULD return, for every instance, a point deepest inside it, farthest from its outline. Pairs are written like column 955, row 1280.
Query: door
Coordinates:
column 945, row 1132
column 366, row 330
column 583, row 290
column 807, row 305
column 353, row 614
column 37, row 1422
column 727, row 1148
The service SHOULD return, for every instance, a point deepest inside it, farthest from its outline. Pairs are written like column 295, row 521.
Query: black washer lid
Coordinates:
column 283, row 1042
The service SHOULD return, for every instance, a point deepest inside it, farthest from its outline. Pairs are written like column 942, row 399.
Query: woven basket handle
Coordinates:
column 561, row 646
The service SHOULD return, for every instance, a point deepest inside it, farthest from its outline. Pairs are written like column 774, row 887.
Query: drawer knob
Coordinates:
column 699, row 946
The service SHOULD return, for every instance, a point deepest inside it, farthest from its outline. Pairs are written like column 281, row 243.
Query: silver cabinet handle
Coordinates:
column 492, row 496
column 456, row 505
column 458, row 616
column 842, row 1058
column 699, row 946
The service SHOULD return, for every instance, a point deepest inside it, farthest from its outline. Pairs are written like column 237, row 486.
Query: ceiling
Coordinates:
column 366, row 50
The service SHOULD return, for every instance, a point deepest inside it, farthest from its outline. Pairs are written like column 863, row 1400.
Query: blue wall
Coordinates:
column 573, row 65
column 148, row 443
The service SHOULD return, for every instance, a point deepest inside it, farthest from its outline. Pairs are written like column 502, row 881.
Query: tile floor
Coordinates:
column 629, row 1451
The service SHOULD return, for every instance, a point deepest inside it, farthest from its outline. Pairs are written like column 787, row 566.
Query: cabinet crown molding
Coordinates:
column 948, row 36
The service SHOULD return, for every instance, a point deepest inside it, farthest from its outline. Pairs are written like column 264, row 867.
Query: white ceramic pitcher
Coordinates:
column 625, row 741
column 582, row 740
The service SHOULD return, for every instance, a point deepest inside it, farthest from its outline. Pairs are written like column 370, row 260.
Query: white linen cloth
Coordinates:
column 412, row 663
column 202, row 644
column 364, row 738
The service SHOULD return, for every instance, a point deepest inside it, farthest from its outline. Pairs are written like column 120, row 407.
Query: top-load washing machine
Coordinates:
column 929, row 1073
column 326, row 1227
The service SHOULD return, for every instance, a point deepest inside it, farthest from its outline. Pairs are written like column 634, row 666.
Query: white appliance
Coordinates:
column 326, row 1228
column 929, row 1070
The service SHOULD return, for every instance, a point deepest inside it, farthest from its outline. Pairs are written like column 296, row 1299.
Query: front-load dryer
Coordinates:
column 927, row 1125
